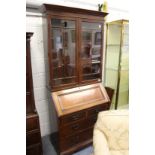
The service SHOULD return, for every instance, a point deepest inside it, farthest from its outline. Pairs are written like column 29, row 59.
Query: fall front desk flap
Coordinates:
column 79, row 98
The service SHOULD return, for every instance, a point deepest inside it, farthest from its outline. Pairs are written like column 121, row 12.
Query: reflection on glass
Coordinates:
column 91, row 50
column 63, row 51
column 117, row 62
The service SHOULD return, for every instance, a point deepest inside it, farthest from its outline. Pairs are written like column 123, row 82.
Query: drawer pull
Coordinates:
column 75, row 117
column 75, row 127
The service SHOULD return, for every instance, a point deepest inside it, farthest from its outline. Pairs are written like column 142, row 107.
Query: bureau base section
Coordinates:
column 75, row 142
column 34, row 150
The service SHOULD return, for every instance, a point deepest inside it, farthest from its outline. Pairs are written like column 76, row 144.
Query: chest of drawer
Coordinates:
column 33, row 138
column 95, row 110
column 92, row 120
column 76, row 139
column 32, row 123
column 73, row 117
column 35, row 150
column 73, row 128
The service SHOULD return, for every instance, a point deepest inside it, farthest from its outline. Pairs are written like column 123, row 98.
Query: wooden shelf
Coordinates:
column 115, row 69
column 76, row 96
column 98, row 30
column 96, row 56
column 96, row 62
column 117, row 45
column 63, row 78
column 57, row 27
column 91, row 74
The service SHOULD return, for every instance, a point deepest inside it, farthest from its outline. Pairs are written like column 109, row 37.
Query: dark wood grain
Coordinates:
column 30, row 107
column 79, row 16
column 32, row 122
column 110, row 93
column 95, row 110
column 64, row 9
column 74, row 140
column 34, row 150
column 77, row 102
column 33, row 136
column 77, row 119
column 73, row 117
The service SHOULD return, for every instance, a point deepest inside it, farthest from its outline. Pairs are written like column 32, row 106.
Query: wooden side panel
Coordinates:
column 32, row 123
column 30, row 106
column 35, row 150
column 33, row 136
column 73, row 11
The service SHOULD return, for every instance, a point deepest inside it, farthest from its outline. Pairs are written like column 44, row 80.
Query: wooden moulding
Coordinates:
column 57, row 80
column 56, row 8
column 79, row 98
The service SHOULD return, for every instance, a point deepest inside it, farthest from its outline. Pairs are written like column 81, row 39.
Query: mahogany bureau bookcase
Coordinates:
column 75, row 54
column 33, row 137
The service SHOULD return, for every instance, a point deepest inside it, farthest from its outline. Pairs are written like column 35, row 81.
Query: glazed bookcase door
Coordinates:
column 90, row 53
column 63, row 52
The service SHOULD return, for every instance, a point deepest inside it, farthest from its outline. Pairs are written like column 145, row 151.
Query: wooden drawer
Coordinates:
column 32, row 123
column 95, row 110
column 73, row 128
column 33, row 138
column 73, row 117
column 76, row 139
column 92, row 120
column 35, row 150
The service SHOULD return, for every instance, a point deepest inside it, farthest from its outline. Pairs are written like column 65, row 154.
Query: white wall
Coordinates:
column 39, row 61
column 34, row 23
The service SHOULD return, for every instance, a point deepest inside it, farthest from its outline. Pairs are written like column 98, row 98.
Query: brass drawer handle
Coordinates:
column 75, row 117
column 75, row 127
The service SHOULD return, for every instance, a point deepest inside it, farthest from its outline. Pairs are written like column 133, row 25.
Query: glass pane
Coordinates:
column 63, row 51
column 125, row 39
column 112, row 57
column 126, row 28
column 114, row 34
column 113, row 71
column 111, row 78
column 125, row 61
column 123, row 99
column 123, row 96
column 91, row 50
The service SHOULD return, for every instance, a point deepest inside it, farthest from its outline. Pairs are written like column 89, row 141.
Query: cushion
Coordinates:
column 114, row 124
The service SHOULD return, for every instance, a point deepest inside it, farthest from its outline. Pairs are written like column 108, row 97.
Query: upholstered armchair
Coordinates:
column 111, row 133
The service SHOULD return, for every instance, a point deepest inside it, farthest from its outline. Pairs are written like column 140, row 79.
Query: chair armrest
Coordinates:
column 100, row 143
